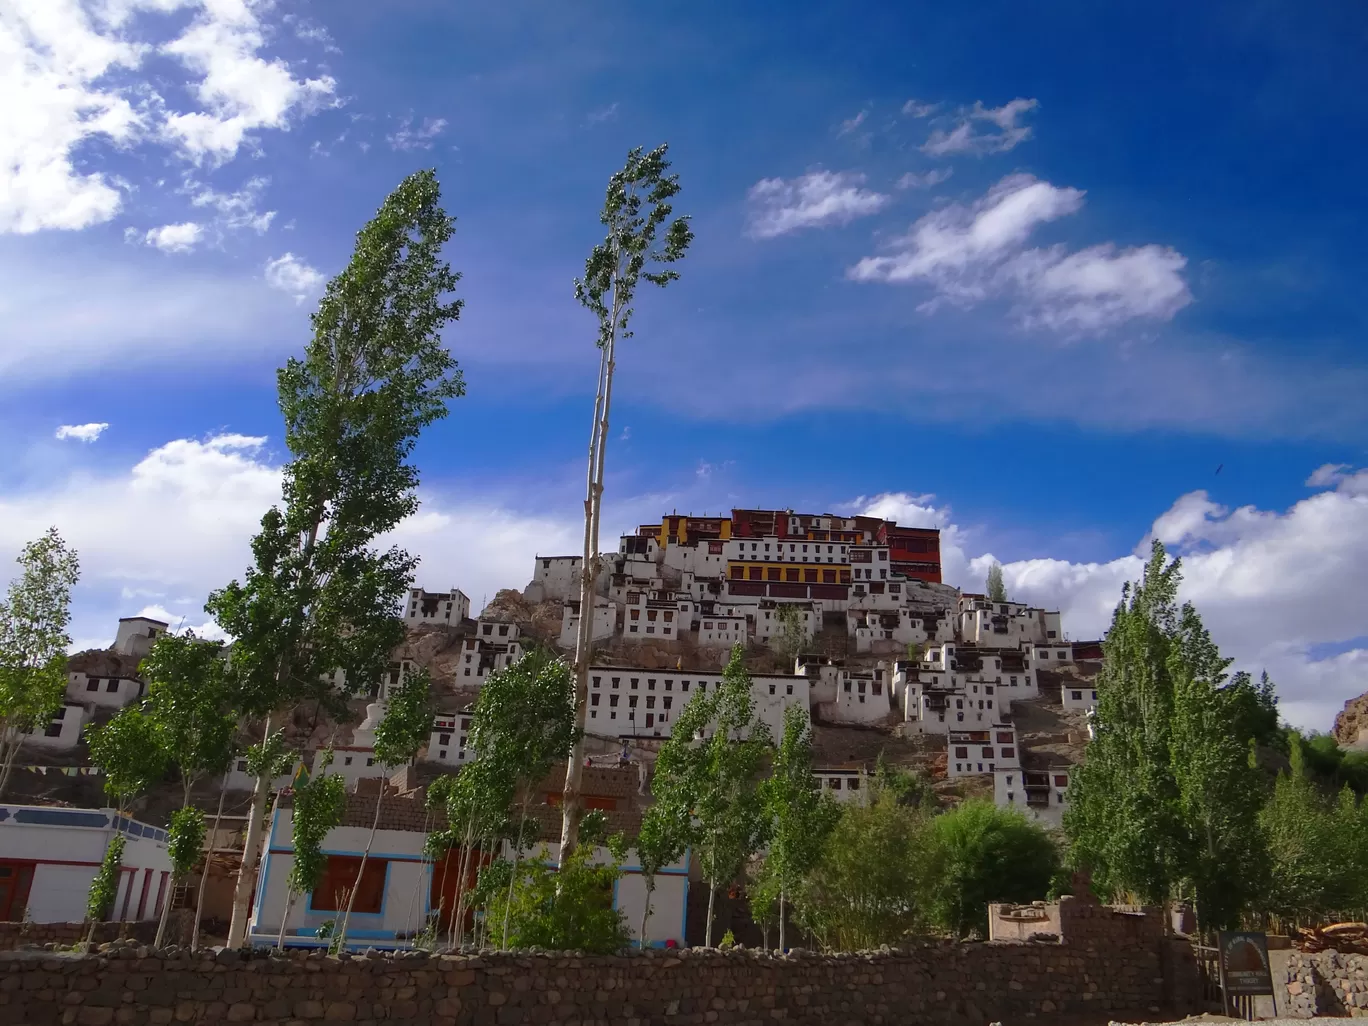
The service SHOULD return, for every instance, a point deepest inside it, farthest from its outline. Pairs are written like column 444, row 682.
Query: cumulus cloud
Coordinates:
column 75, row 73
column 917, row 109
column 967, row 254
column 818, row 199
column 291, row 275
column 1276, row 588
column 420, row 138
column 175, row 238
column 239, row 90
column 925, row 180
column 965, row 137
column 80, row 432
column 178, row 522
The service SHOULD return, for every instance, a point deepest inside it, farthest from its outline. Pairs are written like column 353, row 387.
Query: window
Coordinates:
column 593, row 700
column 113, row 684
column 1009, row 753
column 1061, row 780
column 853, row 784
column 613, row 701
column 1077, row 696
column 346, row 760
column 667, row 702
column 828, row 576
column 1004, row 737
column 961, row 753
column 756, row 573
column 93, row 684
column 1049, row 634
column 54, row 729
column 834, row 783
column 339, row 877
column 650, row 701
column 771, row 687
column 788, row 689
column 444, row 739
column 773, row 573
column 631, row 701
column 987, row 753
column 847, row 687
column 617, row 681
column 1014, row 683
column 636, row 682
column 809, row 576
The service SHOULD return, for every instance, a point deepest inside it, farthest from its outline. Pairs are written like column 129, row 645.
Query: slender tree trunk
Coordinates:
column 361, row 869
column 251, row 853
column 11, row 750
column 646, row 912
column 571, row 811
column 517, row 854
column 208, row 858
column 707, row 930
column 458, row 922
column 781, row 921
column 166, row 910
column 289, row 907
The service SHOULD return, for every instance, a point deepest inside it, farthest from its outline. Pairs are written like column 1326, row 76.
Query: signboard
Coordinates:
column 1244, row 963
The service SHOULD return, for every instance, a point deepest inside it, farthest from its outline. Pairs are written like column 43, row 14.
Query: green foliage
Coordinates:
column 863, row 891
column 1318, row 848
column 319, row 804
column 634, row 241
column 105, row 887
column 995, row 588
column 800, row 815
column 129, row 751
column 976, row 854
column 718, row 774
column 185, row 839
column 407, row 723
column 320, row 596
column 1166, row 802
column 525, row 715
column 33, row 641
column 728, row 941
column 1328, row 763
column 792, row 634
column 190, row 704
column 476, row 803
column 570, row 909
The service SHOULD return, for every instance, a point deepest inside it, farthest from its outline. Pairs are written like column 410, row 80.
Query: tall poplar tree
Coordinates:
column 1166, row 802
column 636, row 212
column 319, row 596
column 33, row 642
column 800, row 813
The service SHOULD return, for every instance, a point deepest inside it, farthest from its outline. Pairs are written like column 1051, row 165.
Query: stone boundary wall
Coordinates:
column 1327, row 983
column 950, row 984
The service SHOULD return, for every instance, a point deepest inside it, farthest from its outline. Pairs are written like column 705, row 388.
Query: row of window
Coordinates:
column 112, row 685
column 789, row 575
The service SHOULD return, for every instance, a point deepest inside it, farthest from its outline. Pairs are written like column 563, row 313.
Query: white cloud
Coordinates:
column 175, row 238
column 925, row 180
column 1329, row 475
column 239, row 90
column 917, row 109
column 75, row 73
column 850, row 124
column 236, row 210
column 178, row 523
column 970, row 253
column 420, row 138
column 80, row 432
column 814, row 200
column 1274, row 587
column 291, row 275
column 964, row 138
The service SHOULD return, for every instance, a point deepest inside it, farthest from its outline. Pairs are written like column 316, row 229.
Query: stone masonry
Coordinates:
column 949, row 984
column 1327, row 983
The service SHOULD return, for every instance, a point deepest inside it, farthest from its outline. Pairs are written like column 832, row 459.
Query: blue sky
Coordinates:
column 1032, row 274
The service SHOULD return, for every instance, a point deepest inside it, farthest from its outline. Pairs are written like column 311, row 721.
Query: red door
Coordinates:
column 15, row 880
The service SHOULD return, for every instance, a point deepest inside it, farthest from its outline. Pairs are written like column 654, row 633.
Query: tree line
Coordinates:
column 1192, row 790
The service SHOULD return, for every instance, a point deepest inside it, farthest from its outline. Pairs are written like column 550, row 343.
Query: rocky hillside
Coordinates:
column 1352, row 721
